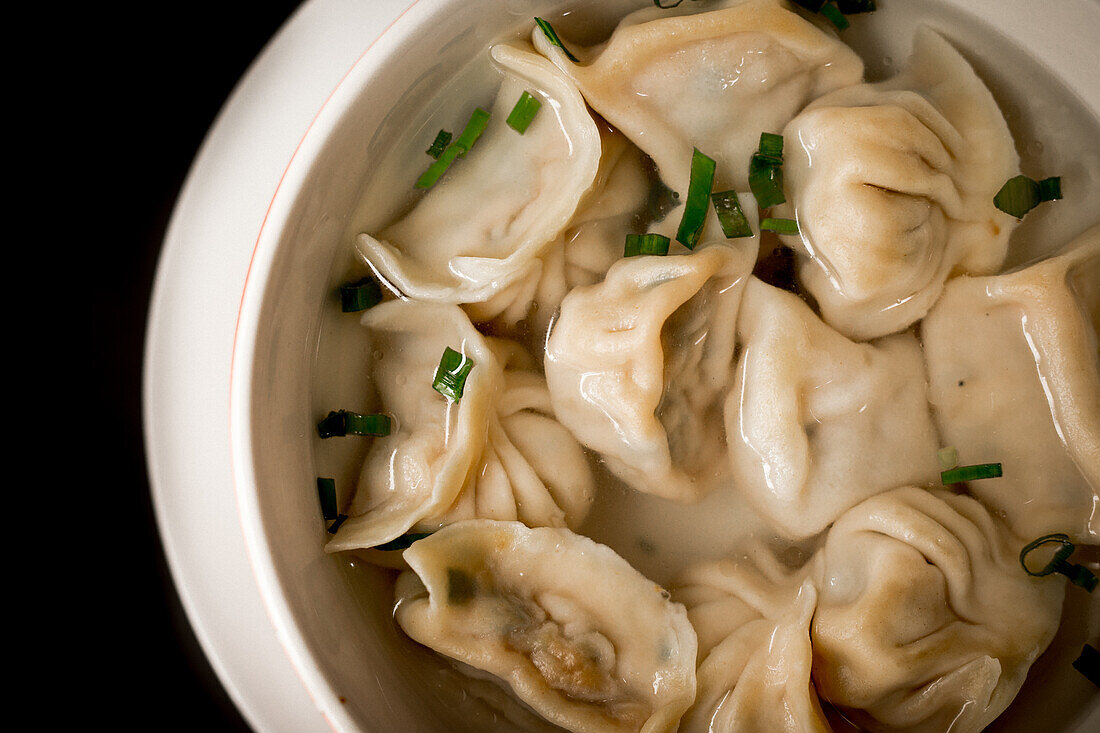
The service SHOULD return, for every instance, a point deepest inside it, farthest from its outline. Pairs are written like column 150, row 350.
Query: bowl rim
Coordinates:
column 1045, row 46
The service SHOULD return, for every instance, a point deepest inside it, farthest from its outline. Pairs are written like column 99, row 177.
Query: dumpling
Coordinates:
column 637, row 365
column 579, row 635
column 1014, row 373
column 532, row 469
column 753, row 624
column 497, row 452
column 483, row 225
column 892, row 185
column 815, row 422
column 584, row 251
column 925, row 619
column 674, row 80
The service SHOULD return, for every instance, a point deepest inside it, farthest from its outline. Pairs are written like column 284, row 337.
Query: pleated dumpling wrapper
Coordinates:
column 815, row 422
column 1014, row 368
column 892, row 185
column 753, row 622
column 925, row 620
column 485, row 222
column 577, row 633
column 638, row 365
column 713, row 79
column 496, row 451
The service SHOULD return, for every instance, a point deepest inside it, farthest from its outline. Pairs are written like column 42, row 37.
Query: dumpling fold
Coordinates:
column 580, row 636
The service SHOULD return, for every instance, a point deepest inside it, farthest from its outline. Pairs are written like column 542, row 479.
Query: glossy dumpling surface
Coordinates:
column 579, row 635
column 815, row 422
column 637, row 365
column 925, row 619
column 1035, row 406
column 892, row 184
column 753, row 623
column 483, row 225
column 435, row 444
column 677, row 79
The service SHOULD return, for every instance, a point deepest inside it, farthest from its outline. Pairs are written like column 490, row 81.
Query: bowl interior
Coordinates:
column 297, row 358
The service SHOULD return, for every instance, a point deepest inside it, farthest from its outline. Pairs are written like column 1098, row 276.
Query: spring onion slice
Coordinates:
column 450, row 376
column 1079, row 575
column 766, row 178
column 771, row 145
column 326, row 492
column 1021, row 194
column 519, row 119
column 1088, row 664
column 340, row 519
column 646, row 244
column 552, row 35
column 779, row 226
column 970, row 473
column 360, row 295
column 698, row 196
column 458, row 148
column 442, row 140
column 948, row 457
column 403, row 542
column 730, row 215
column 832, row 12
column 342, row 422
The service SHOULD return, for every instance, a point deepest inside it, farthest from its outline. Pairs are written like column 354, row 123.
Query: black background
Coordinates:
column 142, row 85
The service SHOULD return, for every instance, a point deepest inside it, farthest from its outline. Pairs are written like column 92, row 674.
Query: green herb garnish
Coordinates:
column 646, row 244
column 456, row 149
column 730, row 215
column 360, row 295
column 1021, row 194
column 766, row 171
column 326, row 492
column 339, row 423
column 552, row 35
column 519, row 119
column 832, row 12
column 403, row 542
column 695, row 208
column 1078, row 574
column 970, row 473
column 1088, row 664
column 779, row 226
column 340, row 519
column 442, row 139
column 450, row 377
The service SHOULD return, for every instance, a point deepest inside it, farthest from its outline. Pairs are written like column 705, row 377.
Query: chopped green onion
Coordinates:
column 1078, row 574
column 340, row 519
column 1088, row 664
column 552, row 35
column 695, row 208
column 474, row 127
column 403, row 542
column 832, row 12
column 854, row 7
column 949, row 458
column 442, row 139
column 360, row 295
column 771, row 145
column 779, row 226
column 730, row 215
column 1021, row 194
column 436, row 170
column 971, row 473
column 326, row 491
column 450, row 377
column 646, row 244
column 341, row 422
column 519, row 119
column 766, row 171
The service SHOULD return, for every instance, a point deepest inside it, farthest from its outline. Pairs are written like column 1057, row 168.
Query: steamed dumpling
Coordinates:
column 674, row 80
column 637, row 365
column 753, row 624
column 1015, row 379
column 925, row 619
column 483, row 225
column 815, row 422
column 497, row 452
column 579, row 635
column 892, row 185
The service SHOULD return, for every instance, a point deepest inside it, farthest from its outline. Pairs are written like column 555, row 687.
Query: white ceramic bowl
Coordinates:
column 334, row 617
